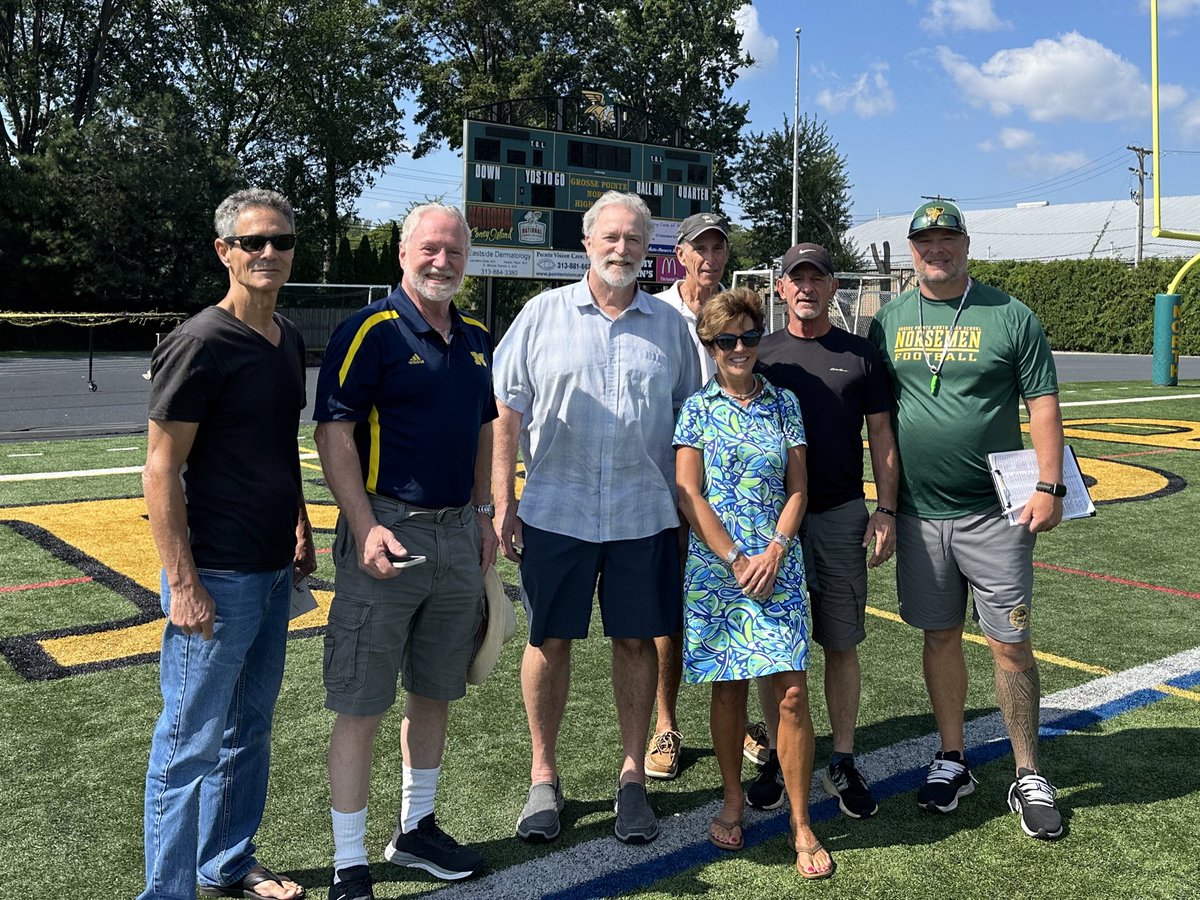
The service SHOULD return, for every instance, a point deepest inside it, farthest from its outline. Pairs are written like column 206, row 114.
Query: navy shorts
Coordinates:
column 639, row 586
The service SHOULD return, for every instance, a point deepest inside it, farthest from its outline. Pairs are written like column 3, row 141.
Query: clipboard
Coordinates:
column 1015, row 477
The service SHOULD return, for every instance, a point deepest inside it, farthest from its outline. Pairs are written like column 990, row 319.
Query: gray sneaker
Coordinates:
column 538, row 822
column 635, row 823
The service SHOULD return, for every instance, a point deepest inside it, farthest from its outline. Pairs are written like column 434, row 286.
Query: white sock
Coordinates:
column 416, row 799
column 349, row 839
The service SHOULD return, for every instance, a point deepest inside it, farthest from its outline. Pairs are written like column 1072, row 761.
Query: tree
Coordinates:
column 344, row 114
column 677, row 60
column 116, row 215
column 673, row 59
column 764, row 188
column 304, row 93
column 52, row 64
column 475, row 52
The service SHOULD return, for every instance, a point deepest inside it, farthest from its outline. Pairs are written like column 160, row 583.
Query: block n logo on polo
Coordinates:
column 415, row 360
column 479, row 358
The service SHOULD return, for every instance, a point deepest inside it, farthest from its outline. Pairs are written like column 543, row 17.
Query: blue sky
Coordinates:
column 991, row 101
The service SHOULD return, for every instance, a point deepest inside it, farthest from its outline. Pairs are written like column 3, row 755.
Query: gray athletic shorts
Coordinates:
column 836, row 565
column 936, row 559
column 420, row 626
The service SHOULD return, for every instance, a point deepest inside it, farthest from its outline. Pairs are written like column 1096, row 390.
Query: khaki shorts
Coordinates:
column 937, row 559
column 420, row 626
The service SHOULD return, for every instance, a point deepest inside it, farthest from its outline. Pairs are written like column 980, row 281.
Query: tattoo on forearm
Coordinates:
column 1019, row 695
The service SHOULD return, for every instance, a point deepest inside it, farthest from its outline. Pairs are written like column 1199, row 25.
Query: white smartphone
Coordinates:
column 403, row 562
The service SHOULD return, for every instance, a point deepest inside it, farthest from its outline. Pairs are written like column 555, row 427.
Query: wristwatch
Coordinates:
column 734, row 552
column 782, row 540
column 486, row 509
column 1047, row 487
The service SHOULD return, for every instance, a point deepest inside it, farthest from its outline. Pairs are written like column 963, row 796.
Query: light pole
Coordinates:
column 796, row 151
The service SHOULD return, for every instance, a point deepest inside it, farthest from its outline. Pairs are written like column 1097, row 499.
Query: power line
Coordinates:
column 1076, row 173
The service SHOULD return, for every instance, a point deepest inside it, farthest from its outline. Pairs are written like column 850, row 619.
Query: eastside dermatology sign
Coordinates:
column 526, row 190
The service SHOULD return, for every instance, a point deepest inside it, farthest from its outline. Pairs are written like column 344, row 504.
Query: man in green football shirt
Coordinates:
column 962, row 356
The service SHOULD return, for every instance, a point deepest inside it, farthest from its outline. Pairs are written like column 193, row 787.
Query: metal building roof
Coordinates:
column 1106, row 229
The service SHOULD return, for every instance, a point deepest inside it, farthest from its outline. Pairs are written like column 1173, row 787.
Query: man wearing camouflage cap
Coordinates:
column 702, row 248
column 962, row 356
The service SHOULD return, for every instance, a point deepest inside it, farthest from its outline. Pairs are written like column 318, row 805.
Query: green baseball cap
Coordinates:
column 937, row 214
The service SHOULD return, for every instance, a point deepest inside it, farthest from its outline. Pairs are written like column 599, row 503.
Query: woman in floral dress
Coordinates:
column 742, row 485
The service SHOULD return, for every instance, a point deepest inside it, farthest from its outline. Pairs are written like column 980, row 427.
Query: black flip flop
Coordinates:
column 259, row 874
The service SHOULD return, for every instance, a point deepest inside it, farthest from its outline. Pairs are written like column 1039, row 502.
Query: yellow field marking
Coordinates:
column 308, row 465
column 1177, row 692
column 1052, row 658
column 125, row 546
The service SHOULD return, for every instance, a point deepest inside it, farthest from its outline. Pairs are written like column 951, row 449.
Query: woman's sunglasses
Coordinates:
column 726, row 341
column 254, row 243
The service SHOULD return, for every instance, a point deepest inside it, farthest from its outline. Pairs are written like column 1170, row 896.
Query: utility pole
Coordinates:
column 1140, row 171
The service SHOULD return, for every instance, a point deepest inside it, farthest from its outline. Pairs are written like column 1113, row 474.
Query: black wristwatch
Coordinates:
column 1047, row 487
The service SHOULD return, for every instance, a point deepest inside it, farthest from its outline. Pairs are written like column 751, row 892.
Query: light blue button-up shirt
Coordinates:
column 598, row 399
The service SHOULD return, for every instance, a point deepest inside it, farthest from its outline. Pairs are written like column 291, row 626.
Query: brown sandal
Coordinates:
column 811, row 851
column 728, row 826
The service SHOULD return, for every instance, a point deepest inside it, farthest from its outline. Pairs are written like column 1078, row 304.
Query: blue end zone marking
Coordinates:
column 1185, row 681
column 673, row 863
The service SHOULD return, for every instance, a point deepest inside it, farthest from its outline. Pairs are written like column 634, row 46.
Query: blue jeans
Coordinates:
column 207, row 780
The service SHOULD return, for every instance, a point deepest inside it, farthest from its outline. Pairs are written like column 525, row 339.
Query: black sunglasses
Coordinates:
column 942, row 220
column 726, row 341
column 253, row 243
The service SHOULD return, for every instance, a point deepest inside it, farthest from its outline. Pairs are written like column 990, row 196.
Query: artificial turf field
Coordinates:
column 1116, row 618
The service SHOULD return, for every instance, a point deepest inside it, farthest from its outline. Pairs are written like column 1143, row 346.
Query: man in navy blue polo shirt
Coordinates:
column 404, row 407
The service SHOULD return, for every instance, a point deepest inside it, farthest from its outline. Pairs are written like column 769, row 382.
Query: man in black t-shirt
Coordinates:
column 839, row 381
column 222, row 486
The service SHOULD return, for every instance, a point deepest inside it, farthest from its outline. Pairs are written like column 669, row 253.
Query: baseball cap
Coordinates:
column 937, row 214
column 694, row 226
column 813, row 254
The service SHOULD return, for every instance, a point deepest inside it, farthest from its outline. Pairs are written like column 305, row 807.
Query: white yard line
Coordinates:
column 605, row 867
column 78, row 473
column 1128, row 400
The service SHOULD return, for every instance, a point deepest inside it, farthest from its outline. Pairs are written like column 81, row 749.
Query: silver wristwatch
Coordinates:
column 782, row 540
column 734, row 552
column 486, row 509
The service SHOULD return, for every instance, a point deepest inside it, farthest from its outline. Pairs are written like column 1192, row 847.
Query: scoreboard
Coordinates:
column 528, row 188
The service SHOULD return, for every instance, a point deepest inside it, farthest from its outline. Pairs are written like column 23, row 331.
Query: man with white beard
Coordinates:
column 404, row 406
column 588, row 381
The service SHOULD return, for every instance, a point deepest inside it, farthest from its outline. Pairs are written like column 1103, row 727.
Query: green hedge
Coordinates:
column 1098, row 305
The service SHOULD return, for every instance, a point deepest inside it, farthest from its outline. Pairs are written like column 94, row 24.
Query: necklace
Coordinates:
column 935, row 379
column 742, row 397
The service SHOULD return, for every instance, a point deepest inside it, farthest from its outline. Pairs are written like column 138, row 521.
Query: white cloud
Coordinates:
column 868, row 95
column 761, row 46
column 962, row 15
column 1189, row 120
column 1009, row 139
column 1050, row 163
column 1073, row 77
column 1177, row 9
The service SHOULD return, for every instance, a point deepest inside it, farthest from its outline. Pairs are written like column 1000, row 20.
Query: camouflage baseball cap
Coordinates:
column 937, row 214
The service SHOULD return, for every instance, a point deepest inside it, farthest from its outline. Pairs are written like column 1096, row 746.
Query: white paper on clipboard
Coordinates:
column 1015, row 477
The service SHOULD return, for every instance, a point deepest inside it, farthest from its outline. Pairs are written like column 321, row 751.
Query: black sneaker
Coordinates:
column 428, row 847
column 352, row 883
column 846, row 783
column 947, row 778
column 1032, row 796
column 766, row 790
